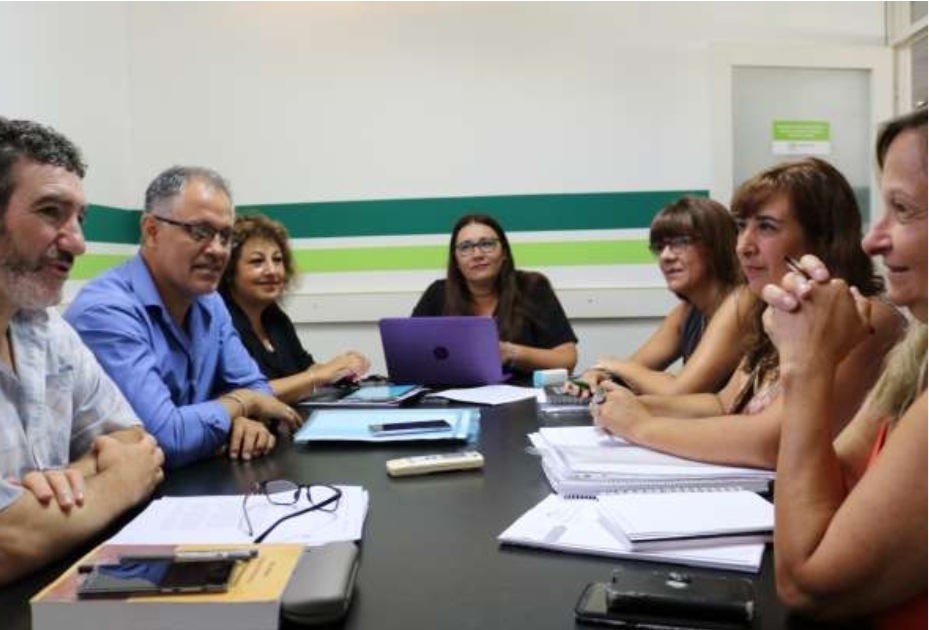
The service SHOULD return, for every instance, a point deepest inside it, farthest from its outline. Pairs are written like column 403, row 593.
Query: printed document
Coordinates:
column 220, row 519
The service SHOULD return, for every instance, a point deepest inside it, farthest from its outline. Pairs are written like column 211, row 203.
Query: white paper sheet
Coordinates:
column 220, row 519
column 489, row 394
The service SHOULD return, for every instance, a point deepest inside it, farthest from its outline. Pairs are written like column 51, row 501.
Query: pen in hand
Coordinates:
column 582, row 385
column 794, row 265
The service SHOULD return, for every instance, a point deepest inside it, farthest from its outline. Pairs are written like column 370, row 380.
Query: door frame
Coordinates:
column 878, row 60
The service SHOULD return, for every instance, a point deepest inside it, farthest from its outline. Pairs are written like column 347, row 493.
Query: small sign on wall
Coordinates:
column 801, row 137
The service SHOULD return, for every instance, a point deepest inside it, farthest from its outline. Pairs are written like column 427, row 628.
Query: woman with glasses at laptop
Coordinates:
column 694, row 240
column 260, row 269
column 482, row 279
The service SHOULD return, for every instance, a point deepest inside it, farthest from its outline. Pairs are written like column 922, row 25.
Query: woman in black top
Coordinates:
column 694, row 241
column 260, row 269
column 482, row 279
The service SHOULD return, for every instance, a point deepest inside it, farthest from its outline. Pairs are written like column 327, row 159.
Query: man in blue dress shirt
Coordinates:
column 164, row 335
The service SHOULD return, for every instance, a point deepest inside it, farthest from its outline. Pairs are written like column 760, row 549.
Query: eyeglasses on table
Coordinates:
column 284, row 492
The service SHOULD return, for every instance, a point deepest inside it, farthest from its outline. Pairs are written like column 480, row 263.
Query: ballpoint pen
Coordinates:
column 794, row 265
column 193, row 556
column 582, row 385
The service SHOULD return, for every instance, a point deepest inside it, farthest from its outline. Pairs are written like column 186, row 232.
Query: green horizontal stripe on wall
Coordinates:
column 427, row 257
column 584, row 211
column 392, row 217
column 105, row 224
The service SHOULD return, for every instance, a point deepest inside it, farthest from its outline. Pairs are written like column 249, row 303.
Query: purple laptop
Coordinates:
column 445, row 351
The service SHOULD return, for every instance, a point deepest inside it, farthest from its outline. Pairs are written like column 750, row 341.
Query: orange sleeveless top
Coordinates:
column 908, row 614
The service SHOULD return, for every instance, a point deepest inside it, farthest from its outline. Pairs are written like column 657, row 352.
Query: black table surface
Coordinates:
column 430, row 556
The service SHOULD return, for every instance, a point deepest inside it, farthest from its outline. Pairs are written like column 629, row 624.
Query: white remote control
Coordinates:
column 425, row 464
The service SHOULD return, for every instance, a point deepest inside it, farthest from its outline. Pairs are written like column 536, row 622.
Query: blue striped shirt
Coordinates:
column 56, row 401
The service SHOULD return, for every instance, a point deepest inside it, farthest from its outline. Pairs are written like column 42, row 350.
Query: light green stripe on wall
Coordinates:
column 92, row 265
column 429, row 257
column 577, row 253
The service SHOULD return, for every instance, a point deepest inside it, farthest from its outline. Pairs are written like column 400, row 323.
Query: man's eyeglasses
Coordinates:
column 285, row 492
column 676, row 243
column 484, row 245
column 201, row 232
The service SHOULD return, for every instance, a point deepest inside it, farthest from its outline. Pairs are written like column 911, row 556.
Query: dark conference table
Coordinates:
column 429, row 556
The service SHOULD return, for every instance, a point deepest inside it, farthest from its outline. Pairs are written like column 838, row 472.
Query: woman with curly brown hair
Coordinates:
column 260, row 269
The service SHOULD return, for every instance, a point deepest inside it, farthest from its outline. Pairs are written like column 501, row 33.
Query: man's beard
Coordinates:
column 21, row 279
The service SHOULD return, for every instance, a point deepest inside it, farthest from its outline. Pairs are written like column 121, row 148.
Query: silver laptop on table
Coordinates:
column 447, row 351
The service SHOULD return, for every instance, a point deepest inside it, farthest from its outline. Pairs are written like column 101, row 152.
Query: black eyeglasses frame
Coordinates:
column 261, row 487
column 201, row 232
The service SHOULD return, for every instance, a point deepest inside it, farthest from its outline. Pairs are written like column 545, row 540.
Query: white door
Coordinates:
column 773, row 104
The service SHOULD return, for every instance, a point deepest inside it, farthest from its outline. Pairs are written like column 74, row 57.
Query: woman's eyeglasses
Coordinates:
column 677, row 244
column 285, row 492
column 484, row 245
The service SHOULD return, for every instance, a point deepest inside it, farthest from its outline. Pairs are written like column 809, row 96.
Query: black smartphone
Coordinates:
column 156, row 576
column 647, row 598
column 416, row 426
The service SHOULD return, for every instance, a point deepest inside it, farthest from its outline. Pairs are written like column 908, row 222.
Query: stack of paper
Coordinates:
column 577, row 526
column 587, row 461
column 221, row 519
column 674, row 520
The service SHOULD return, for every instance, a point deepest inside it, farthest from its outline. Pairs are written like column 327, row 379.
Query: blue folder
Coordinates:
column 353, row 425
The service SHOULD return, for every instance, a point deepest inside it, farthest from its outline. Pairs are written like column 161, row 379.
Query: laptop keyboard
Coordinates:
column 554, row 396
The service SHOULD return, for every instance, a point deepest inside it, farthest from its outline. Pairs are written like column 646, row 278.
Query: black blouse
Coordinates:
column 545, row 324
column 288, row 357
column 692, row 329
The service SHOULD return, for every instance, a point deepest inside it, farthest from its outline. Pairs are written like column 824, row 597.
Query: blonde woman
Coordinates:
column 851, row 514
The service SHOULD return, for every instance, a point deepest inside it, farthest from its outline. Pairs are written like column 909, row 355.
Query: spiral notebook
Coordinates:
column 587, row 461
column 675, row 520
column 577, row 526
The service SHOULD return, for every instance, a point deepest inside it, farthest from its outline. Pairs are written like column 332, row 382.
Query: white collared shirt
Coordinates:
column 56, row 402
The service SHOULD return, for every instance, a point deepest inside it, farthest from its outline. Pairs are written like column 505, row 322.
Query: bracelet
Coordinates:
column 512, row 354
column 243, row 408
column 313, row 379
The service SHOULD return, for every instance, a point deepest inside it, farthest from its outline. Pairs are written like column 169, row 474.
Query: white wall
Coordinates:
column 317, row 101
column 66, row 65
column 346, row 101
